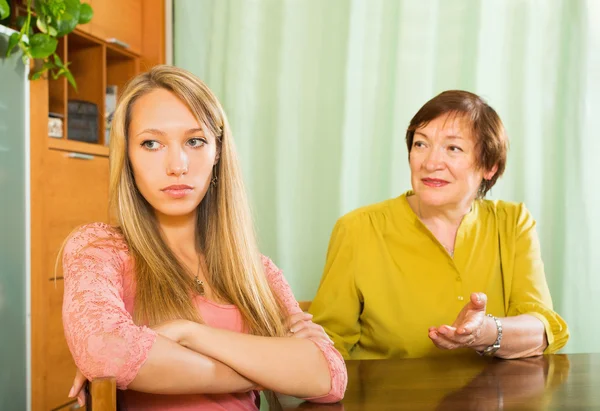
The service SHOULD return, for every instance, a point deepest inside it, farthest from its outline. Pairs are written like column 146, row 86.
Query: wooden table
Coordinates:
column 553, row 382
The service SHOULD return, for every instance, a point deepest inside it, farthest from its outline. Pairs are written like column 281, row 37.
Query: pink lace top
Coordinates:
column 104, row 340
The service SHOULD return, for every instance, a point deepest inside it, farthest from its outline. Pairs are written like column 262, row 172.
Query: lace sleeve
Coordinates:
column 337, row 367
column 101, row 334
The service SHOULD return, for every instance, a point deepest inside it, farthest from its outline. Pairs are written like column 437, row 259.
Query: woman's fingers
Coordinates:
column 479, row 300
column 311, row 330
column 297, row 319
column 441, row 341
column 78, row 383
column 313, row 334
column 449, row 338
column 81, row 398
column 77, row 388
column 469, row 326
column 447, row 331
column 301, row 326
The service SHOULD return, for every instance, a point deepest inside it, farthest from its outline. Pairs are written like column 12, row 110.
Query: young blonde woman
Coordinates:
column 176, row 301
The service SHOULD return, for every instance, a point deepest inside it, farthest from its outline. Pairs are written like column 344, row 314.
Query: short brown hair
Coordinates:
column 490, row 137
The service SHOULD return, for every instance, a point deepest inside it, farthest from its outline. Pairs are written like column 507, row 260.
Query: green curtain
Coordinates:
column 319, row 94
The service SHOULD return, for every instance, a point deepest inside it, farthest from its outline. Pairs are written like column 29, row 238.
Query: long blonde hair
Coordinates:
column 224, row 230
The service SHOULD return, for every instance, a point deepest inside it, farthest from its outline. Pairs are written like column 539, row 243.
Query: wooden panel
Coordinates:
column 120, row 20
column 75, row 193
column 39, row 136
column 60, row 368
column 153, row 33
column 78, row 146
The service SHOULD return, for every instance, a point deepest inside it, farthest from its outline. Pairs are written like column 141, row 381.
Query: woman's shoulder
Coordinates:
column 99, row 236
column 508, row 213
column 368, row 213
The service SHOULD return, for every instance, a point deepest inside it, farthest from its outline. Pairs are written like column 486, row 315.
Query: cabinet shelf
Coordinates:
column 77, row 147
column 95, row 65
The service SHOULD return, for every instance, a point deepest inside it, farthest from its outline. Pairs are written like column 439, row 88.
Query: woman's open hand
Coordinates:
column 468, row 328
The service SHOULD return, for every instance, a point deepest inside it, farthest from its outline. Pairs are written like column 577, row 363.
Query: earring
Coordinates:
column 215, row 179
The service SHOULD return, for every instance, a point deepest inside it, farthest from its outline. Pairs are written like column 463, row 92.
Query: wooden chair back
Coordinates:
column 101, row 395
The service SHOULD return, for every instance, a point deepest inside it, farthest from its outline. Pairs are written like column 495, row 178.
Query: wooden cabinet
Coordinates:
column 75, row 192
column 60, row 365
column 153, row 33
column 137, row 26
column 94, row 65
column 118, row 21
column 69, row 179
column 120, row 67
column 69, row 187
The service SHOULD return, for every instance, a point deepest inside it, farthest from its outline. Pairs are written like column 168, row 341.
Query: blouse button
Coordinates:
column 460, row 298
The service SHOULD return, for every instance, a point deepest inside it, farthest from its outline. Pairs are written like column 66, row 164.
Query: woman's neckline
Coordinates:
column 216, row 304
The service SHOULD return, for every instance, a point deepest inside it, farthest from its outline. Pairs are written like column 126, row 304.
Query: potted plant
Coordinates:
column 53, row 19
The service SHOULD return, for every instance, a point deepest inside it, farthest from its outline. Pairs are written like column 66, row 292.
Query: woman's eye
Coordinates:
column 418, row 144
column 151, row 145
column 196, row 142
column 455, row 149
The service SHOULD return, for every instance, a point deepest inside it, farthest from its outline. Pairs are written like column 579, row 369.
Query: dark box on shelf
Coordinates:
column 82, row 121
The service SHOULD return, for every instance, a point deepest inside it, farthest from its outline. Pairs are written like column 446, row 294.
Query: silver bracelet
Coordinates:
column 491, row 350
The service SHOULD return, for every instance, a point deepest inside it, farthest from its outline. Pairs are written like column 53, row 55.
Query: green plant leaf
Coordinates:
column 37, row 74
column 42, row 45
column 12, row 42
column 72, row 7
column 4, row 9
column 66, row 24
column 22, row 20
column 58, row 61
column 39, row 8
column 70, row 78
column 68, row 20
column 48, row 65
column 52, row 31
column 85, row 13
column 57, row 74
column 41, row 25
column 32, row 24
column 54, row 8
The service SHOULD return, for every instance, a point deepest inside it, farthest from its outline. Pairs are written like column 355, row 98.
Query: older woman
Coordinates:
column 441, row 269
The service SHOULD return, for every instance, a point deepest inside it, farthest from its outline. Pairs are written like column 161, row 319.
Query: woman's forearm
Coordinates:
column 173, row 369
column 522, row 336
column 292, row 366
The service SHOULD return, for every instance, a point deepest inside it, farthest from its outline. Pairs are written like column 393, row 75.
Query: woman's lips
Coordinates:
column 177, row 191
column 434, row 182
